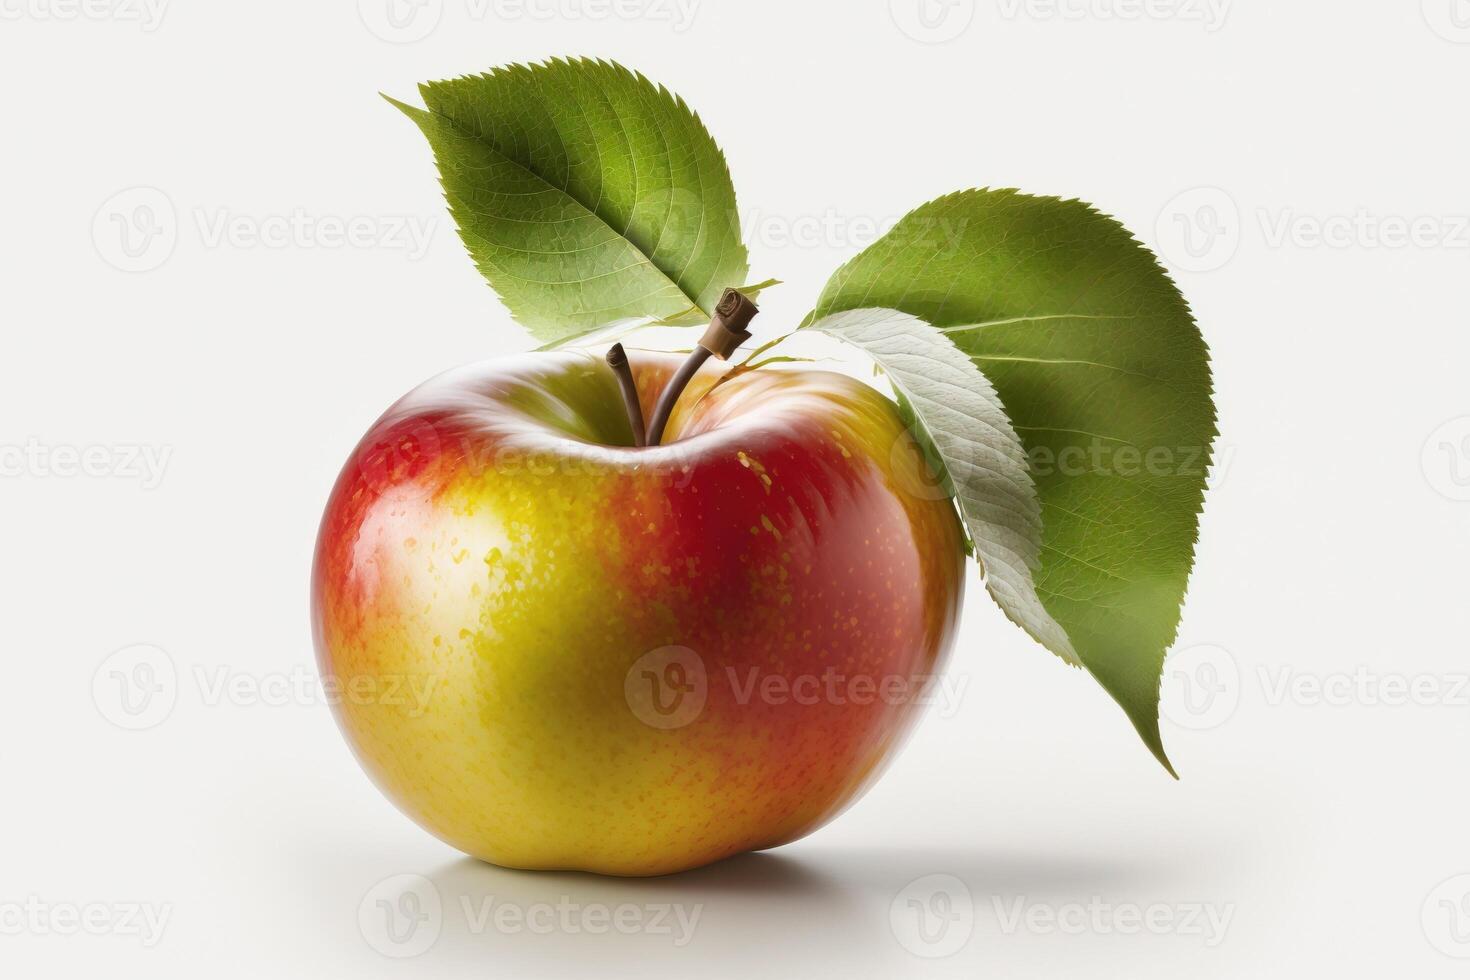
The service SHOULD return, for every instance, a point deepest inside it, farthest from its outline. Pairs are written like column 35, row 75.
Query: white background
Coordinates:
column 1275, row 154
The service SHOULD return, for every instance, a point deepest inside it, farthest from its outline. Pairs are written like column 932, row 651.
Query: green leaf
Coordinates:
column 961, row 424
column 1106, row 379
column 585, row 194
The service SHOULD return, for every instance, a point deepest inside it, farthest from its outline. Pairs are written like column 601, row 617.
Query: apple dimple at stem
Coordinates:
column 583, row 655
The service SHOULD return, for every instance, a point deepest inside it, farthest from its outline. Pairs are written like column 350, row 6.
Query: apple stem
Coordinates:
column 617, row 359
column 726, row 332
column 671, row 393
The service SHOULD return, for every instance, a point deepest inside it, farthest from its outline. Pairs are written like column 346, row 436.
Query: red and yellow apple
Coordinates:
column 631, row 660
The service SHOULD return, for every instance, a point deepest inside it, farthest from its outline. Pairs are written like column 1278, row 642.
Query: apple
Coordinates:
column 554, row 649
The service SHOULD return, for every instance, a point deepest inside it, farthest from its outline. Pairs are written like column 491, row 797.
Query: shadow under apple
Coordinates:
column 825, row 909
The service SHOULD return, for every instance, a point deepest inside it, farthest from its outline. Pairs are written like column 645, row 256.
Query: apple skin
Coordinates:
column 499, row 578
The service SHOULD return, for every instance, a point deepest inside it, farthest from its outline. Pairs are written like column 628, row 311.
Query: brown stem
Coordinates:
column 671, row 393
column 617, row 359
column 726, row 332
